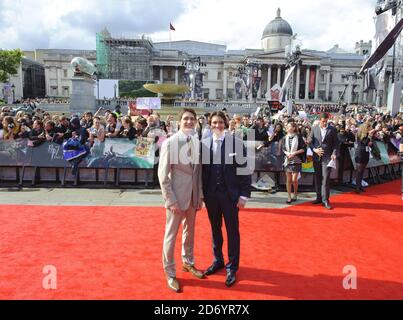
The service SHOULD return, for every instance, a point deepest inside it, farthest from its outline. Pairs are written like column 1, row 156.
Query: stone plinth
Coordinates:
column 82, row 97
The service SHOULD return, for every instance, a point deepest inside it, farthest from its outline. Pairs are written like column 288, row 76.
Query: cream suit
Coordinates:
column 179, row 174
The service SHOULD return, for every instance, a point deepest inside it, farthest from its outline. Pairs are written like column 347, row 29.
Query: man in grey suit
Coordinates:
column 179, row 173
column 324, row 144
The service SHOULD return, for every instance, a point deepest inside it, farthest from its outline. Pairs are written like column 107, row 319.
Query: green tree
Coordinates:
column 9, row 63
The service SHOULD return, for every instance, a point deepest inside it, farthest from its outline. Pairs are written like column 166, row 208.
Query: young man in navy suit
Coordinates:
column 226, row 188
column 324, row 143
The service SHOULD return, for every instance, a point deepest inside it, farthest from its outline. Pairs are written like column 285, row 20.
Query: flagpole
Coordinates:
column 170, row 34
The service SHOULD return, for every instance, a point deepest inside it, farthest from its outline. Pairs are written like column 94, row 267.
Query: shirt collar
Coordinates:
column 325, row 128
column 221, row 138
column 183, row 135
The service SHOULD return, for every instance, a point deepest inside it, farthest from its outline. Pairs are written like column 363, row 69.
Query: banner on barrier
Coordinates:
column 113, row 153
column 380, row 155
column 15, row 153
column 140, row 154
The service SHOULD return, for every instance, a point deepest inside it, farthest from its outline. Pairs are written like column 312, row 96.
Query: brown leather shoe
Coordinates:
column 173, row 284
column 193, row 270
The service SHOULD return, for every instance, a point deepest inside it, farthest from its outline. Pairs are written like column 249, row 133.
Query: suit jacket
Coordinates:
column 180, row 181
column 237, row 185
column 330, row 143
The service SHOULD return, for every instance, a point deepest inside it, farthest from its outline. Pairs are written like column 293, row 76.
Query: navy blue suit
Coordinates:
column 222, row 187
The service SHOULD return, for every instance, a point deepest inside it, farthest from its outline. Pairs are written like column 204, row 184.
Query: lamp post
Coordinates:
column 293, row 57
column 97, row 79
column 242, row 73
column 114, row 92
column 193, row 66
column 254, row 65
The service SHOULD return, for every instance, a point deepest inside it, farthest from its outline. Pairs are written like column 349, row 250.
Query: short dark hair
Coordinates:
column 324, row 115
column 184, row 110
column 221, row 115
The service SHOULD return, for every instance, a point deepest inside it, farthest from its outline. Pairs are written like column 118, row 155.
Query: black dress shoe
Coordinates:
column 327, row 205
column 231, row 278
column 317, row 201
column 213, row 269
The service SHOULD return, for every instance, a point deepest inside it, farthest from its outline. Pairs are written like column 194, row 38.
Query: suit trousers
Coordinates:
column 173, row 221
column 219, row 204
column 322, row 180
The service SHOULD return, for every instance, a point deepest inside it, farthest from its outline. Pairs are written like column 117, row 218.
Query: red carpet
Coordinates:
column 294, row 253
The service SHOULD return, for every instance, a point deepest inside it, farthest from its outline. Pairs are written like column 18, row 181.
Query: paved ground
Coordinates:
column 122, row 197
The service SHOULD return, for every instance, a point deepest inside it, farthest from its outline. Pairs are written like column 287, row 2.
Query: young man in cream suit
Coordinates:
column 179, row 173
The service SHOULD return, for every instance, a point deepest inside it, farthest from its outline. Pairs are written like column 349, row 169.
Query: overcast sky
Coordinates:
column 72, row 24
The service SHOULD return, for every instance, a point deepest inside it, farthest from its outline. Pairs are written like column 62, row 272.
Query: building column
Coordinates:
column 59, row 81
column 161, row 74
column 268, row 85
column 361, row 99
column 176, row 75
column 328, row 85
column 317, row 83
column 297, row 83
column 251, row 87
column 307, row 82
column 224, row 85
column 259, row 92
column 279, row 75
column 47, row 81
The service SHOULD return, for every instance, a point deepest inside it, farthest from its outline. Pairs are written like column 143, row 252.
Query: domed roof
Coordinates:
column 277, row 26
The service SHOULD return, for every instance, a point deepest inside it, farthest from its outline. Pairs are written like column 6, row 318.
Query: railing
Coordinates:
column 139, row 166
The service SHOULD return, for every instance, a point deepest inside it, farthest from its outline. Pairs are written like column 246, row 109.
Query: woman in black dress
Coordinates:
column 294, row 149
column 363, row 144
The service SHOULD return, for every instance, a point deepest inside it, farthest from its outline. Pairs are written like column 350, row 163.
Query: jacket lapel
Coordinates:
column 319, row 134
column 327, row 131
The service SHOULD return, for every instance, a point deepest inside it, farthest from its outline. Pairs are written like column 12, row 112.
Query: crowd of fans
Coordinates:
column 39, row 126
column 37, row 101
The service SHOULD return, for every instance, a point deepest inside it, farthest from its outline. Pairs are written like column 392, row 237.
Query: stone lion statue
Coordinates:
column 82, row 66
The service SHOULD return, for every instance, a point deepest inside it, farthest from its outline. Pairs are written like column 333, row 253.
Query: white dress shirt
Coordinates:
column 215, row 142
column 323, row 132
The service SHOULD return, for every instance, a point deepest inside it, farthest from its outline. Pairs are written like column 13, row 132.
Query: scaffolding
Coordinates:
column 123, row 59
column 102, row 56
